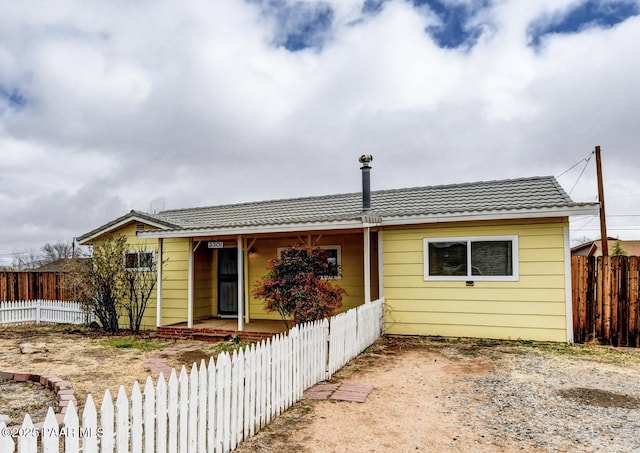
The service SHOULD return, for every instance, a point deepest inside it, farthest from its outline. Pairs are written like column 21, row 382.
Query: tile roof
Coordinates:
column 535, row 193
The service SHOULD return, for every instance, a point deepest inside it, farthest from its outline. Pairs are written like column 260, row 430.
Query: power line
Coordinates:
column 587, row 223
column 581, row 173
column 587, row 159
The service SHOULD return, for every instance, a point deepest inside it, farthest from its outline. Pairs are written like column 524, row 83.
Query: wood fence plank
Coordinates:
column 106, row 423
column 71, row 424
column 259, row 384
column 614, row 286
column 28, row 441
column 240, row 397
column 233, row 396
column 578, row 294
column 583, row 298
column 161, row 416
column 605, row 300
column 122, row 421
column 599, row 298
column 149, row 411
column 592, row 304
column 250, row 394
column 220, row 407
column 90, row 426
column 172, row 412
column 634, row 313
column 136, row 430
column 192, row 441
column 202, row 406
column 183, row 407
column 226, row 398
column 211, row 405
column 623, row 301
column 265, row 383
column 50, row 433
column 26, row 285
column 6, row 442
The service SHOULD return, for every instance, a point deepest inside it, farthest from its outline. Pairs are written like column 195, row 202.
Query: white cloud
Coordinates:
column 145, row 106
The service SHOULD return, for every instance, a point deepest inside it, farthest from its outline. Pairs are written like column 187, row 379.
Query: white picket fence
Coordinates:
column 214, row 407
column 49, row 311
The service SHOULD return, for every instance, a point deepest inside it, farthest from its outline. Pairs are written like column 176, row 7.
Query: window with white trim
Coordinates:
column 139, row 260
column 492, row 258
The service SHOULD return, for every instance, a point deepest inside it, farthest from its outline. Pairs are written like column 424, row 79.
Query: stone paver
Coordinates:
column 157, row 363
column 320, row 391
column 339, row 392
column 352, row 392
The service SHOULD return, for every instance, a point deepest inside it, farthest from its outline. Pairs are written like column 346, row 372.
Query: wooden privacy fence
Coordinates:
column 212, row 408
column 605, row 300
column 47, row 311
column 31, row 285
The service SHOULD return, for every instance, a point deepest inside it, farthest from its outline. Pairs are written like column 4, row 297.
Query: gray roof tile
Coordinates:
column 485, row 196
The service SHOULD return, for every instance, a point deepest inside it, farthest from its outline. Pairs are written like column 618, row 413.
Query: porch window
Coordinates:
column 334, row 260
column 471, row 258
column 140, row 260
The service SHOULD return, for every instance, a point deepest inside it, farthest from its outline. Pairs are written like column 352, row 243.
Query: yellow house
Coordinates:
column 484, row 259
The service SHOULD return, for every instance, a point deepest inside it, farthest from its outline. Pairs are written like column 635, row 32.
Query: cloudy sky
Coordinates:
column 111, row 106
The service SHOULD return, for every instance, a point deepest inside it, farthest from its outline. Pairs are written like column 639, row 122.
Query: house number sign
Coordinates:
column 215, row 244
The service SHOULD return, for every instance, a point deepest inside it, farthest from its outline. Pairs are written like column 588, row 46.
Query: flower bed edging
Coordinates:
column 63, row 389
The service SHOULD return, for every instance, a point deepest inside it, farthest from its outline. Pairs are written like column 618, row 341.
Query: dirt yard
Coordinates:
column 435, row 396
column 429, row 395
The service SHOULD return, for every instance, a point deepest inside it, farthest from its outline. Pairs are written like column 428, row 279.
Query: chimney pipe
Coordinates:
column 365, row 160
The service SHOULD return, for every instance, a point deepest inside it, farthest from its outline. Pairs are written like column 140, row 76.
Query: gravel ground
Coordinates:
column 19, row 398
column 555, row 404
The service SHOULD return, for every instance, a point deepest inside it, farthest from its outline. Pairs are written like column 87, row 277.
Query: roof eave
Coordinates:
column 252, row 229
column 492, row 215
column 118, row 223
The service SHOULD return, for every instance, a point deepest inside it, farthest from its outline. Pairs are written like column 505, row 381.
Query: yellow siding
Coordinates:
column 175, row 280
column 352, row 268
column 472, row 306
column 531, row 308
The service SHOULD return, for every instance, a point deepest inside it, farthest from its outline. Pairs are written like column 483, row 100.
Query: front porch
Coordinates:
column 221, row 329
column 215, row 276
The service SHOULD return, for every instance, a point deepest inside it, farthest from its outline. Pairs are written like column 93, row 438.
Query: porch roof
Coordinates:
column 512, row 198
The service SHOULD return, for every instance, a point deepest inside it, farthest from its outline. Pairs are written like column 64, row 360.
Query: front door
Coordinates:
column 228, row 281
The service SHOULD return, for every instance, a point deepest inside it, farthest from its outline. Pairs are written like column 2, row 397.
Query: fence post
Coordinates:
column 38, row 311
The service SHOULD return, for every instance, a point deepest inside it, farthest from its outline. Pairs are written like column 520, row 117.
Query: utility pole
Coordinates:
column 603, row 220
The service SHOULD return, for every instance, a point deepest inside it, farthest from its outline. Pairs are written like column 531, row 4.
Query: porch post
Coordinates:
column 380, row 266
column 240, row 285
column 190, row 286
column 367, row 265
column 159, row 284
